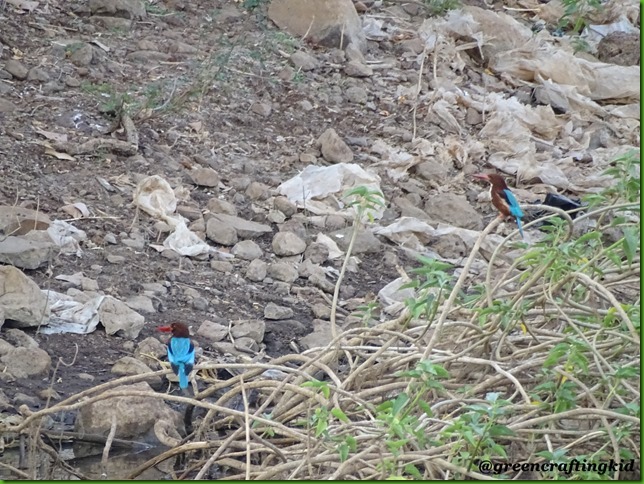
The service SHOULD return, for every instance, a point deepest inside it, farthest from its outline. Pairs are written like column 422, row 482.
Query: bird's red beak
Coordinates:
column 165, row 329
column 481, row 176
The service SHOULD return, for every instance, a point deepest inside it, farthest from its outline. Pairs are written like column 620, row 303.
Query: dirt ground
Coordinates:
column 239, row 59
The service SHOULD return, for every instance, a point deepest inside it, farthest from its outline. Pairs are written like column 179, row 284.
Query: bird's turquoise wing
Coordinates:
column 181, row 350
column 512, row 203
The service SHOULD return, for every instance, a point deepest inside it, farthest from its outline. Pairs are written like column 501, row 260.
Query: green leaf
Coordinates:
column 340, row 415
column 630, row 243
column 501, row 431
column 399, row 403
column 626, row 372
column 413, row 471
column 425, row 408
column 343, row 451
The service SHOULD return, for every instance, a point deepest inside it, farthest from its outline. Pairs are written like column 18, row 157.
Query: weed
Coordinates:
column 441, row 7
column 577, row 13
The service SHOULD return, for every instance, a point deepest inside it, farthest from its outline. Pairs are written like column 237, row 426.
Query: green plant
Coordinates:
column 577, row 12
column 441, row 7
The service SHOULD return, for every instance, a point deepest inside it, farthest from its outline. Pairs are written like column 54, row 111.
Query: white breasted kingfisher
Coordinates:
column 502, row 198
column 181, row 351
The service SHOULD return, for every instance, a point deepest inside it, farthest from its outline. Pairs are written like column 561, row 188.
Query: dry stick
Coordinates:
column 611, row 298
column 169, row 454
column 213, row 458
column 461, row 279
column 108, row 446
column 17, row 472
column 246, row 427
column 420, row 77
column 336, row 291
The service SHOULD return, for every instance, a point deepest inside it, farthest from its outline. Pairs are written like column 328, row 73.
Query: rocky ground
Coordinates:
column 98, row 96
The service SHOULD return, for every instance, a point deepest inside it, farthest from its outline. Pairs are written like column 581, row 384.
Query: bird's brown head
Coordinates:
column 179, row 330
column 495, row 180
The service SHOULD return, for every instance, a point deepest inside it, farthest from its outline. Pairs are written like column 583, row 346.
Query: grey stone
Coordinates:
column 245, row 229
column 221, row 266
column 303, row 61
column 357, row 69
column 263, row 109
column 287, row 244
column 283, row 271
column 216, row 205
column 256, row 270
column 37, row 74
column 366, row 242
column 141, row 303
column 257, row 191
column 205, row 177
column 275, row 312
column 212, row 331
column 251, row 329
column 26, row 362
column 21, row 300
column 333, row 148
column 317, row 253
column 356, row 95
column 220, row 233
column 29, row 251
column 453, row 210
column 16, row 69
column 247, row 250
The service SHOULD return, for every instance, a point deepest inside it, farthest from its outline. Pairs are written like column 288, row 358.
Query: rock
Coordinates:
column 49, row 393
column 287, row 243
column 366, row 242
column 453, row 210
column 221, row 233
column 37, row 74
column 356, row 95
column 317, row 253
column 132, row 366
column 431, row 170
column 29, row 251
column 357, row 69
column 283, row 271
column 149, row 349
column 253, row 329
column 245, row 344
column 119, row 319
column 331, row 23
column 190, row 212
column 16, row 69
column 135, row 416
column 408, row 209
column 179, row 47
column 285, row 206
column 221, row 266
column 7, row 106
column 450, row 246
column 5, row 347
column 204, row 177
column 130, row 9
column 302, row 60
column 354, row 53
column 275, row 312
column 119, row 259
column 275, row 216
column 140, row 303
column 263, row 109
column 620, row 48
column 257, row 191
column 26, row 362
column 247, row 250
column 200, row 304
column 4, row 401
column 320, row 281
column 212, row 331
column 24, row 399
column 21, row 300
column 256, row 270
column 333, row 148
column 139, row 56
column 246, row 229
column 473, row 117
column 20, row 338
column 216, row 205
column 79, row 280
column 82, row 54
column 320, row 337
column 321, row 311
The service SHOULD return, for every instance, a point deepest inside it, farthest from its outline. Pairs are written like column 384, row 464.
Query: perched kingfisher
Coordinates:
column 181, row 351
column 502, row 198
